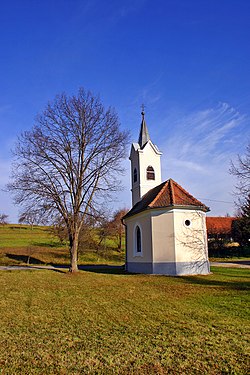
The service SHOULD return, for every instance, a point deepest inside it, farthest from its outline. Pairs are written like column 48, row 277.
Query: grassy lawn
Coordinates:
column 20, row 244
column 100, row 323
column 15, row 235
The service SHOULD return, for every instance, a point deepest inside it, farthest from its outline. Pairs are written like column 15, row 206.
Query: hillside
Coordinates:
column 20, row 244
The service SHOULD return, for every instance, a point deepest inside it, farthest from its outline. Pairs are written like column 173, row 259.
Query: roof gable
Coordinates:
column 153, row 146
column 167, row 194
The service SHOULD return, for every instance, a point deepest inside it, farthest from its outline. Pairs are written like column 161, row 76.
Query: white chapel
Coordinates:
column 166, row 226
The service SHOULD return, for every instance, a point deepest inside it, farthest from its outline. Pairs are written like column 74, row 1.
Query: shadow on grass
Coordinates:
column 48, row 244
column 97, row 268
column 24, row 258
column 206, row 281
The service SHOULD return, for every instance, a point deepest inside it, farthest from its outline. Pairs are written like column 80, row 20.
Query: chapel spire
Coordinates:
column 144, row 134
column 145, row 164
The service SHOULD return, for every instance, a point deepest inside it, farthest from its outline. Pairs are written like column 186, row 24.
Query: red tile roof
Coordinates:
column 167, row 194
column 219, row 225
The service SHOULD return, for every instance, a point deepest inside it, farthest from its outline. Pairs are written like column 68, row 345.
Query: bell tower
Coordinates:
column 145, row 164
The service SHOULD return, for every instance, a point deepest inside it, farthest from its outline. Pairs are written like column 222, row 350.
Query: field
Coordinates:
column 100, row 323
column 109, row 322
column 19, row 245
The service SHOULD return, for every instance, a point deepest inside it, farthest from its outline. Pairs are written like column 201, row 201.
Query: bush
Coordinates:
column 224, row 250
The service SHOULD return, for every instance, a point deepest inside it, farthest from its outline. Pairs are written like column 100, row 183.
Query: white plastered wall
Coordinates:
column 143, row 220
column 163, row 236
column 191, row 240
column 135, row 186
column 149, row 157
column 141, row 159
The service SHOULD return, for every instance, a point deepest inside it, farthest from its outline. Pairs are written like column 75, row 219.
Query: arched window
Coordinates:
column 135, row 175
column 150, row 173
column 138, row 239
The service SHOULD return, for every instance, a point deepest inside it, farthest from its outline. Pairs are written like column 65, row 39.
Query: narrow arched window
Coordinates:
column 135, row 175
column 150, row 173
column 138, row 239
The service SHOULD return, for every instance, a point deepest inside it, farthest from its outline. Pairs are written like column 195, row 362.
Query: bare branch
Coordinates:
column 3, row 219
column 241, row 170
column 65, row 163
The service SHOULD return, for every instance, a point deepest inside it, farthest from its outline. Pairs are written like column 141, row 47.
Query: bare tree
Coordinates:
column 69, row 162
column 31, row 218
column 241, row 170
column 117, row 229
column 3, row 219
column 241, row 227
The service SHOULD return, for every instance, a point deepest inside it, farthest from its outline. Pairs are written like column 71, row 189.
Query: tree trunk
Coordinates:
column 73, row 253
column 119, row 247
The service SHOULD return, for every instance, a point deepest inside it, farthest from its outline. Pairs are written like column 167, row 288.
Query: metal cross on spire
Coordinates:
column 144, row 135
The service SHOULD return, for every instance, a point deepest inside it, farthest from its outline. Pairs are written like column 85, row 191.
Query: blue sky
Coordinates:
column 186, row 60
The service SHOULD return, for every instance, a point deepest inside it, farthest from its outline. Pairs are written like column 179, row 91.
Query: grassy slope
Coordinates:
column 14, row 235
column 18, row 242
column 54, row 323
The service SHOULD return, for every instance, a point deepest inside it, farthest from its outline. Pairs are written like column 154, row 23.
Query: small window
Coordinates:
column 150, row 173
column 135, row 175
column 138, row 240
column 187, row 223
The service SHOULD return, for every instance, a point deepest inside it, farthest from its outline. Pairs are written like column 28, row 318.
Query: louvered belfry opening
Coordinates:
column 150, row 173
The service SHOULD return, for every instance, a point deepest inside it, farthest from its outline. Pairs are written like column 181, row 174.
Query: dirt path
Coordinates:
column 233, row 264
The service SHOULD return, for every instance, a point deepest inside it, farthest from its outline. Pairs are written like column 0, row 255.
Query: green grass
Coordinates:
column 99, row 323
column 20, row 244
column 14, row 235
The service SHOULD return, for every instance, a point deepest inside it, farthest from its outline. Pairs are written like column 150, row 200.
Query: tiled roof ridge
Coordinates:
column 168, row 194
column 171, row 191
column 187, row 193
column 170, row 185
column 164, row 187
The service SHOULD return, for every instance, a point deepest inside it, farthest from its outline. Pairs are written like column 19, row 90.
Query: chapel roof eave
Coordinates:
column 166, row 208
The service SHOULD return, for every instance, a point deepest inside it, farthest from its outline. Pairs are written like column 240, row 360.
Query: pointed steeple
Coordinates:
column 145, row 164
column 144, row 134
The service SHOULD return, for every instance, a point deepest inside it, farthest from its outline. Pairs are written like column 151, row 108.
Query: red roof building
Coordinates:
column 219, row 225
column 167, row 194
